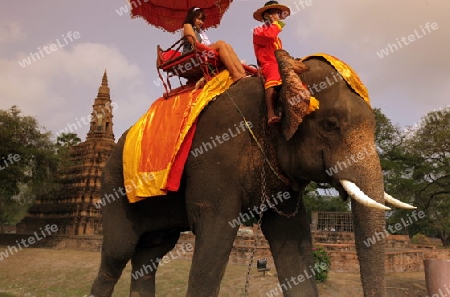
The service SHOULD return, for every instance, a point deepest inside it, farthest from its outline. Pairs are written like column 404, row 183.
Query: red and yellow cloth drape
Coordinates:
column 158, row 145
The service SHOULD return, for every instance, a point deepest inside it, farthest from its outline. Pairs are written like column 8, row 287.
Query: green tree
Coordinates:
column 395, row 160
column 67, row 139
column 64, row 143
column 430, row 140
column 28, row 163
column 398, row 165
column 322, row 197
column 416, row 170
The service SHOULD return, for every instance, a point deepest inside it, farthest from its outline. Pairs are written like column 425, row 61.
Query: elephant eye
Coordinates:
column 329, row 124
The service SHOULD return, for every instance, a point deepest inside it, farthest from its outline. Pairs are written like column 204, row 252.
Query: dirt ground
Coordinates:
column 345, row 285
column 67, row 273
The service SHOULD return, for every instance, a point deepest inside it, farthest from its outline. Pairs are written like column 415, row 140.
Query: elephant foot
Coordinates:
column 137, row 294
column 103, row 285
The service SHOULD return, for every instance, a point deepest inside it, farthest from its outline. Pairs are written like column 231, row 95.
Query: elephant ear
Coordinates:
column 294, row 96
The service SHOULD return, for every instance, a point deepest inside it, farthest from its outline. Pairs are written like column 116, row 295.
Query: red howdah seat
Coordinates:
column 200, row 62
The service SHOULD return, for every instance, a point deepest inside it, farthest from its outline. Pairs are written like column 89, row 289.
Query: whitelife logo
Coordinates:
column 391, row 48
column 395, row 228
column 9, row 160
column 33, row 57
column 221, row 138
column 153, row 266
column 31, row 240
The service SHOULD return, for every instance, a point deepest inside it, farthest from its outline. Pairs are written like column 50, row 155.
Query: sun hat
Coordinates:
column 258, row 14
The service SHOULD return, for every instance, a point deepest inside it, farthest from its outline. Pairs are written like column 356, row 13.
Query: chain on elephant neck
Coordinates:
column 273, row 207
column 264, row 198
column 255, row 245
column 279, row 176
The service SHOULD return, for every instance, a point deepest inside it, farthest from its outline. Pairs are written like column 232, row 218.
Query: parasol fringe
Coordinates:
column 144, row 10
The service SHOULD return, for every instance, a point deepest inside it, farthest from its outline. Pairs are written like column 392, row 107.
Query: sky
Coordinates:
column 400, row 49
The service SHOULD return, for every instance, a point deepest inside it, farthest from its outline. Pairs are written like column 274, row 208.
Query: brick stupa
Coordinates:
column 73, row 210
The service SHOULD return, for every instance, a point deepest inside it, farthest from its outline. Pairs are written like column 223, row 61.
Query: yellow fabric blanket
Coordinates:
column 347, row 73
column 153, row 142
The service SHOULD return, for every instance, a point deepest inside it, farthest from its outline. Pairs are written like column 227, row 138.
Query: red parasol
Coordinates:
column 169, row 15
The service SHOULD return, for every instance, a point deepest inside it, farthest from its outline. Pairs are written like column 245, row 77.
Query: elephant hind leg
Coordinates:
column 145, row 261
column 110, row 271
column 114, row 258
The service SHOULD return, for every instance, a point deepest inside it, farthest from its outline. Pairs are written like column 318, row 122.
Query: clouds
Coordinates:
column 61, row 86
column 11, row 32
column 409, row 81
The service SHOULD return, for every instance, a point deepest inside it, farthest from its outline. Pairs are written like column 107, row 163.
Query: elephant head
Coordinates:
column 336, row 144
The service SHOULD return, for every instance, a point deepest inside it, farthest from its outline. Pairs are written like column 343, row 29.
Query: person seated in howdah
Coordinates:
column 193, row 31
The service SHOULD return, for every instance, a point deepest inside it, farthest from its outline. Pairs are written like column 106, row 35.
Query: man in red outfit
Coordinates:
column 265, row 42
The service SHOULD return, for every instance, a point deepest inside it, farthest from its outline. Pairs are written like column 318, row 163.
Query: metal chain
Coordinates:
column 263, row 181
column 280, row 177
column 258, row 228
column 264, row 196
column 250, row 264
column 281, row 213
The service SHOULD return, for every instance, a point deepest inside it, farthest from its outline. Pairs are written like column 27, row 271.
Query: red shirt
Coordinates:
column 265, row 42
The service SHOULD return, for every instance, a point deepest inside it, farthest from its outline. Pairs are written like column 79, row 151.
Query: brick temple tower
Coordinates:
column 73, row 210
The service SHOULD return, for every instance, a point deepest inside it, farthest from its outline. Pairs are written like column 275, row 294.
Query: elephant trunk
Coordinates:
column 369, row 228
column 370, row 247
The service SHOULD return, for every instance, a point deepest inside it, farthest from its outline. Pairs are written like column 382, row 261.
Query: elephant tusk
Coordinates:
column 354, row 192
column 397, row 203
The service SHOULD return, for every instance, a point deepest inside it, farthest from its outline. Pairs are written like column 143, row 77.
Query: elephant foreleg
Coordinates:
column 214, row 238
column 291, row 247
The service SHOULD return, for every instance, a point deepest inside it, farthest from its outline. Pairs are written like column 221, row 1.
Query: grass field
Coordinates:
column 69, row 273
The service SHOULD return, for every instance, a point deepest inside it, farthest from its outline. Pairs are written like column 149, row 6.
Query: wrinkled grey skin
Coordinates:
column 226, row 180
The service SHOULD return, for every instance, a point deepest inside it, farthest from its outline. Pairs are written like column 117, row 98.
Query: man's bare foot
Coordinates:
column 200, row 83
column 236, row 81
column 273, row 120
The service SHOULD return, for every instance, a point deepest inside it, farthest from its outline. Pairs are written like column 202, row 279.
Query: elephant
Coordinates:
column 235, row 176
